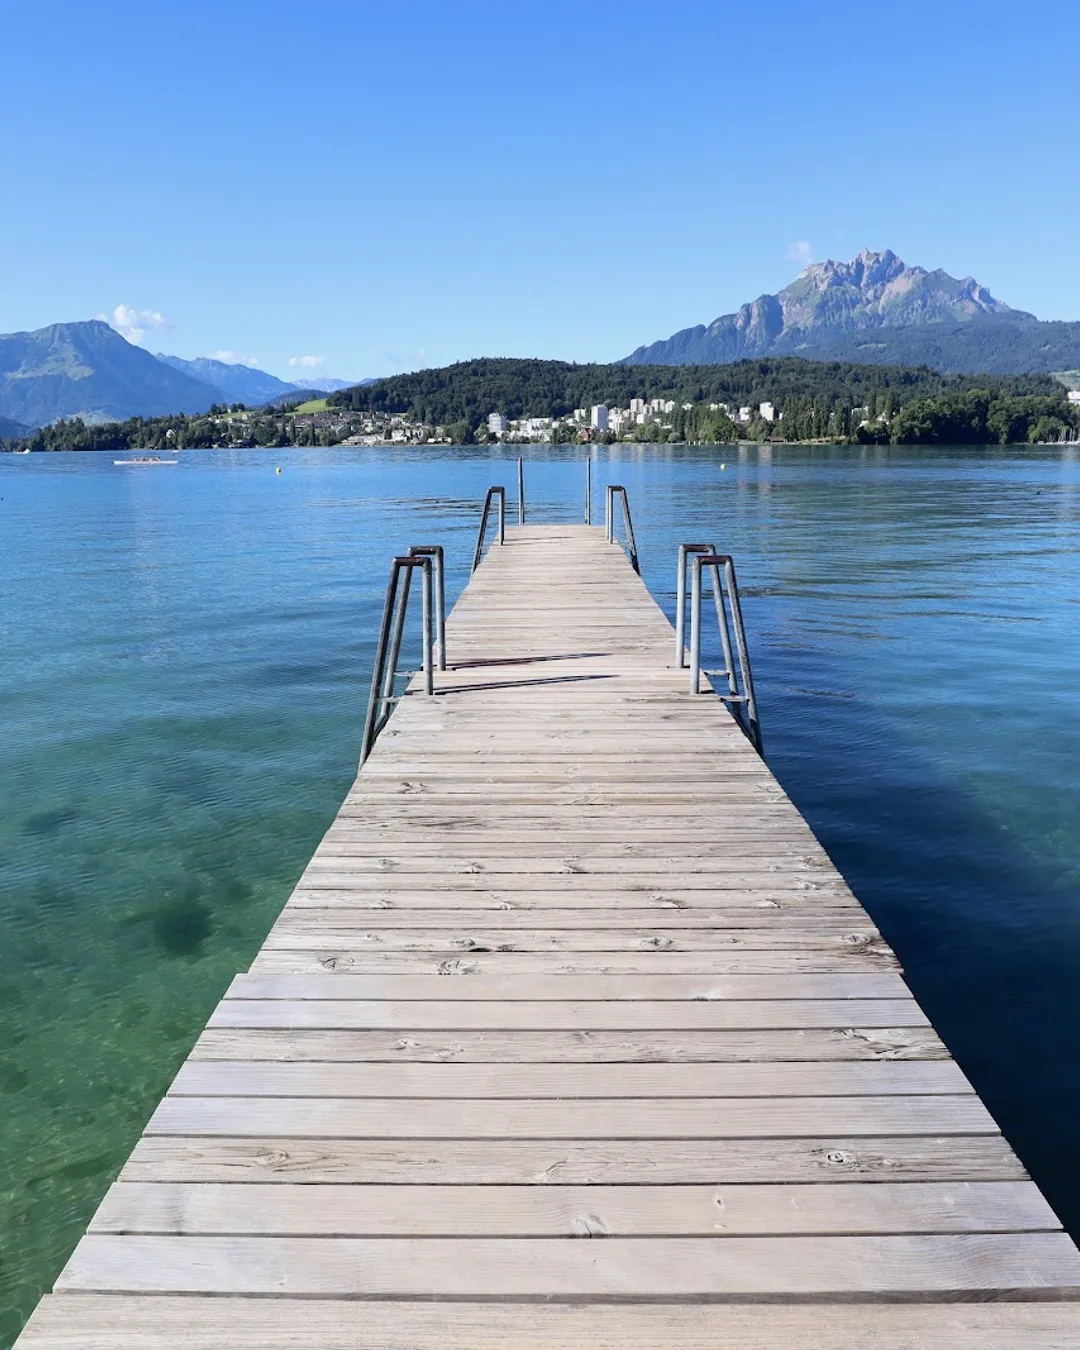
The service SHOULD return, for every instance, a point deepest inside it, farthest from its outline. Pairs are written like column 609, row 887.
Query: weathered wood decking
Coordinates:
column 568, row 965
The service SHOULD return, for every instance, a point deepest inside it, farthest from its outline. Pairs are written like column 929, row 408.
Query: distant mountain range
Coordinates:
column 88, row 370
column 877, row 309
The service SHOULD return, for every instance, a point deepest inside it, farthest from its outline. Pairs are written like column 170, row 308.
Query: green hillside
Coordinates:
column 470, row 390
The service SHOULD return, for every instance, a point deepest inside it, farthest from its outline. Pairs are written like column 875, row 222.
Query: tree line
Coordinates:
column 468, row 391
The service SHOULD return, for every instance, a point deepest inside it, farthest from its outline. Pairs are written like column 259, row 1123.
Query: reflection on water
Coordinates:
column 184, row 658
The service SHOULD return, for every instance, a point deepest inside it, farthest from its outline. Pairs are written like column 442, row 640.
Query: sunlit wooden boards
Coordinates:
column 570, row 1035
column 89, row 1322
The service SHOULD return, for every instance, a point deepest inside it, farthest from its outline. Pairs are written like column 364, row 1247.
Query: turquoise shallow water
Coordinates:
column 184, row 661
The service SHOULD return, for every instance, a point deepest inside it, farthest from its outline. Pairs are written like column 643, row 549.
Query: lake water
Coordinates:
column 184, row 661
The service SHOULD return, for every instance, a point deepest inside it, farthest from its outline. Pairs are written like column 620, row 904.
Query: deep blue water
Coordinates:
column 184, row 659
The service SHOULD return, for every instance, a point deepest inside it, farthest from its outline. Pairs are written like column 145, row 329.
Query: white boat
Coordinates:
column 146, row 459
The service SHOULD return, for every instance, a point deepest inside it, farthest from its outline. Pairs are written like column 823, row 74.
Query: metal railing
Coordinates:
column 429, row 560
column 725, row 588
column 588, row 492
column 628, row 525
column 492, row 494
column 521, row 491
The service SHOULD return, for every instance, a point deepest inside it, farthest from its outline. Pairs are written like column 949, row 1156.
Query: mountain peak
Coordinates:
column 834, row 301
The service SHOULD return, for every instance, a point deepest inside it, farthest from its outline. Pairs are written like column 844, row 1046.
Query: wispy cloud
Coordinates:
column 133, row 323
column 801, row 252
column 234, row 358
column 306, row 362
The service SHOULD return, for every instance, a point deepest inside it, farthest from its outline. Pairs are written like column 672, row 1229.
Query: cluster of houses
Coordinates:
column 617, row 421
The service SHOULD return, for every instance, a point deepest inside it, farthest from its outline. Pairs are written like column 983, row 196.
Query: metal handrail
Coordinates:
column 492, row 493
column 628, row 524
column 680, row 598
column 384, row 675
column 740, row 692
column 521, row 491
column 437, row 554
column 588, row 492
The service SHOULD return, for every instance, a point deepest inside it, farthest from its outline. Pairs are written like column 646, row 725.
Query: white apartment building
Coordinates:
column 767, row 412
column 745, row 414
column 1073, row 395
column 498, row 424
column 637, row 405
column 598, row 417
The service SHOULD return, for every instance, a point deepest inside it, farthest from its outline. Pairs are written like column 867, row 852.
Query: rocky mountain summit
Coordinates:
column 876, row 308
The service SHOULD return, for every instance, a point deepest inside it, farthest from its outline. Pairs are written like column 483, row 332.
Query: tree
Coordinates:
column 461, row 432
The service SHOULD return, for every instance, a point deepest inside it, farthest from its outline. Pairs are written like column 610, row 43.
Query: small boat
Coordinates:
column 146, row 459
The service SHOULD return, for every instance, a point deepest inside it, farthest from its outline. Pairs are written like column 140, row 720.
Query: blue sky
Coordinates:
column 383, row 187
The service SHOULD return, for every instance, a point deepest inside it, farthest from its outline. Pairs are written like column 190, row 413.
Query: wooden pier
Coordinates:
column 570, row 1038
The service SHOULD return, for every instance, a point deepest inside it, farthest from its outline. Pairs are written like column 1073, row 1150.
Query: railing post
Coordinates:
column 378, row 669
column 493, row 493
column 680, row 609
column 609, row 512
column 631, row 542
column 521, row 492
column 436, row 553
column 588, row 491
column 695, row 624
column 399, row 631
column 425, row 624
column 744, row 655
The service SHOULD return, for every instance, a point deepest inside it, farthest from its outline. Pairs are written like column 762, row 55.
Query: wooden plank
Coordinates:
column 803, row 916
column 459, row 1015
column 758, row 1118
column 574, row 1211
column 706, row 1270
column 305, row 932
column 573, row 1047
column 313, row 957
column 579, row 988
column 530, row 1162
column 257, row 1078
column 114, row 1322
column 649, row 906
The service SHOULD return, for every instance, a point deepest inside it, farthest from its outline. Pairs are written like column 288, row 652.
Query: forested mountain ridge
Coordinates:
column 470, row 390
column 877, row 309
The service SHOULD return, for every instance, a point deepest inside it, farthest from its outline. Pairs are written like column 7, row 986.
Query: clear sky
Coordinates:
column 378, row 187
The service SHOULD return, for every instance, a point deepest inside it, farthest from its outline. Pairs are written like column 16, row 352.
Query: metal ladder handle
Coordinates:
column 492, row 494
column 371, row 730
column 521, row 491
column 680, row 599
column 745, row 698
column 391, row 632
column 588, row 492
column 744, row 653
column 628, row 524
column 437, row 555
